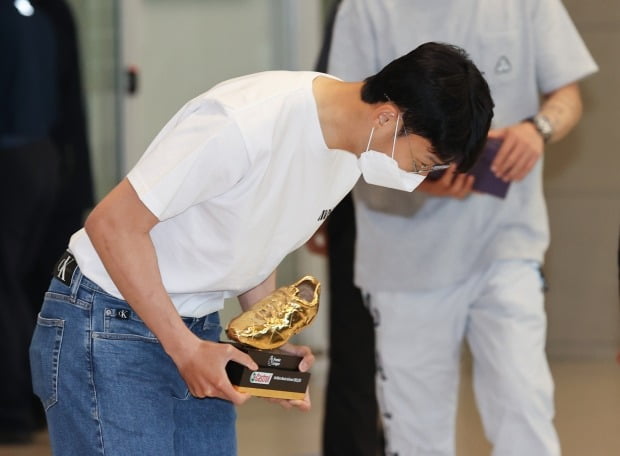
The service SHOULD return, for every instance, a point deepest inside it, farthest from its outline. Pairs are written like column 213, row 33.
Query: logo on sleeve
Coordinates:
column 324, row 214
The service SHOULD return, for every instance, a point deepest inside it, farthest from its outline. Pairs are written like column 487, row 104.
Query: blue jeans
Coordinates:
column 109, row 388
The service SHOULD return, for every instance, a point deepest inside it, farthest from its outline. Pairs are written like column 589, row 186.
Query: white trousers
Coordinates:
column 501, row 313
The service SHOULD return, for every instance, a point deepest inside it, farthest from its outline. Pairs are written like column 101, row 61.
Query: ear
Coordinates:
column 384, row 118
column 384, row 113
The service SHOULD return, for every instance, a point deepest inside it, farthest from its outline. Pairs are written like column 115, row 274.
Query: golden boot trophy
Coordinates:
column 272, row 321
column 269, row 324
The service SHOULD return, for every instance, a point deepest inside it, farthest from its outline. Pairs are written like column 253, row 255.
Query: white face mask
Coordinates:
column 379, row 169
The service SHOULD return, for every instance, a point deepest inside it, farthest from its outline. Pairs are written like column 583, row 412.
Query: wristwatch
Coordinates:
column 542, row 125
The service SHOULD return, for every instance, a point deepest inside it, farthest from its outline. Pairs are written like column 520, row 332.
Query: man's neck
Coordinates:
column 342, row 113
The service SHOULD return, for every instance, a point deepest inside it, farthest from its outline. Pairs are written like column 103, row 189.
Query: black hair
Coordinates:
column 443, row 96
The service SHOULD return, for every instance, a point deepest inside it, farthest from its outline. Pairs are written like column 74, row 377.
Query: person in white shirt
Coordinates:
column 448, row 264
column 125, row 356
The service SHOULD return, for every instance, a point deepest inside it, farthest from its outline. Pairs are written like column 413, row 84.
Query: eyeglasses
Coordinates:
column 424, row 168
column 428, row 168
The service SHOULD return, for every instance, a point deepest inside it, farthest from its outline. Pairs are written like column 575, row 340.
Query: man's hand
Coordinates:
column 203, row 367
column 317, row 244
column 451, row 184
column 304, row 366
column 521, row 149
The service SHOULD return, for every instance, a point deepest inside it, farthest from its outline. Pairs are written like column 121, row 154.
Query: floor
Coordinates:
column 587, row 403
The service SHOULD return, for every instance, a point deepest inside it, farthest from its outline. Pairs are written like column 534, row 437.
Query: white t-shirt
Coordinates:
column 239, row 177
column 524, row 48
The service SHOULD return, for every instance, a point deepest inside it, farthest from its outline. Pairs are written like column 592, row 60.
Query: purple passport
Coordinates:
column 486, row 181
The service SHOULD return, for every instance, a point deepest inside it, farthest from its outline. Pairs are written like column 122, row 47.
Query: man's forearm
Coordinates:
column 119, row 230
column 563, row 108
column 132, row 265
column 252, row 296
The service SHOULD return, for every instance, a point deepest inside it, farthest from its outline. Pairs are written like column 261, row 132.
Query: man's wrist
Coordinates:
column 543, row 126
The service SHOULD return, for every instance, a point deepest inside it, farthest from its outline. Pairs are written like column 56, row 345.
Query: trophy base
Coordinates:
column 277, row 376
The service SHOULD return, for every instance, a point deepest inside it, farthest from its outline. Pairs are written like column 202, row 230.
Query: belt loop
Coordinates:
column 208, row 319
column 76, row 281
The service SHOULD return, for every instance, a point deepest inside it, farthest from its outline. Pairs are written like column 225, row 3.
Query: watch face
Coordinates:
column 543, row 126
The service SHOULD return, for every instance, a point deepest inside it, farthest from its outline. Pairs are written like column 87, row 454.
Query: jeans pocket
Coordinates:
column 44, row 358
